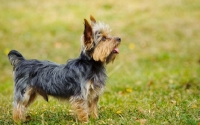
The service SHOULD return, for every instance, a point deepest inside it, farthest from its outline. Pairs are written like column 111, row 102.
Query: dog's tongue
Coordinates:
column 116, row 50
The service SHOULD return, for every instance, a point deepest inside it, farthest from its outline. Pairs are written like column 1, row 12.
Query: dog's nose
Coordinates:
column 118, row 39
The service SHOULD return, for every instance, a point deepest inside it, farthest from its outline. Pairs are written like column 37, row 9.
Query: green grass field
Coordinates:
column 154, row 81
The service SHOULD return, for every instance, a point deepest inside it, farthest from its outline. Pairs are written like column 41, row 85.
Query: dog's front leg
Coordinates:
column 80, row 107
column 93, row 107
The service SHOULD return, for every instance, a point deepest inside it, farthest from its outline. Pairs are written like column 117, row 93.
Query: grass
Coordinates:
column 154, row 80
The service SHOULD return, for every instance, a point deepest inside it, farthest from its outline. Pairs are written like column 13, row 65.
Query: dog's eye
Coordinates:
column 103, row 38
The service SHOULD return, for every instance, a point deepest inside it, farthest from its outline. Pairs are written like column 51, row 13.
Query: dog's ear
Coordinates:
column 93, row 21
column 88, row 39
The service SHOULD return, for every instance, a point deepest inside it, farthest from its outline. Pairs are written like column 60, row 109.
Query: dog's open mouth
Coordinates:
column 115, row 50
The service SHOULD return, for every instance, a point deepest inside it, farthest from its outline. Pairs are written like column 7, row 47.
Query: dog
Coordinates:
column 81, row 80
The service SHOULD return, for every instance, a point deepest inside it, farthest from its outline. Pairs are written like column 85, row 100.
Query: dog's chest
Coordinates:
column 92, row 90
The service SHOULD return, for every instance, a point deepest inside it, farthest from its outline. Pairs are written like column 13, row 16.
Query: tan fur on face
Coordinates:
column 102, row 50
column 94, row 45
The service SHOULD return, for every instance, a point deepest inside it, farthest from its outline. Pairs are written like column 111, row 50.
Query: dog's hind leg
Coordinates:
column 18, row 112
column 29, row 97
column 21, row 104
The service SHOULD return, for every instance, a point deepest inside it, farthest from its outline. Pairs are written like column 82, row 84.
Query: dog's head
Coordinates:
column 98, row 43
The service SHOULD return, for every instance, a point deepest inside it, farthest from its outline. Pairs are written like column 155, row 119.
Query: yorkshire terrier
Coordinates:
column 81, row 80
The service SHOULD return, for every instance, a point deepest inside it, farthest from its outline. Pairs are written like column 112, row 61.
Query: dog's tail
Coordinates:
column 15, row 57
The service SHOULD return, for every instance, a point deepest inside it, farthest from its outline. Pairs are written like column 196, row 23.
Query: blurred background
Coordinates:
column 160, row 48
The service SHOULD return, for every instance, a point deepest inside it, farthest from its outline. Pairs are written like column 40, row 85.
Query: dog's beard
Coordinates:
column 111, row 57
